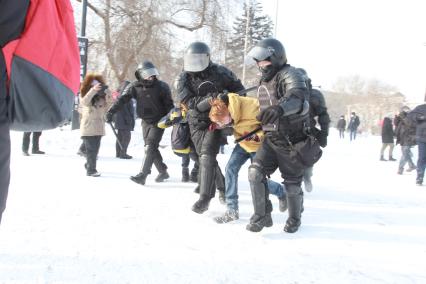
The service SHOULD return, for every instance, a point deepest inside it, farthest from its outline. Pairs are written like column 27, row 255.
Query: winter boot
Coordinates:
column 222, row 199
column 419, row 181
column 261, row 203
column 294, row 213
column 282, row 203
column 35, row 151
column 258, row 222
column 201, row 205
column 125, row 156
column 185, row 174
column 411, row 168
column 25, row 153
column 207, row 183
column 400, row 171
column 382, row 158
column 93, row 173
column 140, row 178
column 194, row 175
column 229, row 216
column 197, row 189
column 162, row 176
column 391, row 158
column 307, row 182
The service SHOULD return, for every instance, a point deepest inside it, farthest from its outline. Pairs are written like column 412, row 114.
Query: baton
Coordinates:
column 116, row 135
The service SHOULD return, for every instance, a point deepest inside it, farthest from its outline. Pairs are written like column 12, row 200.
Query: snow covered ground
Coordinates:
column 362, row 223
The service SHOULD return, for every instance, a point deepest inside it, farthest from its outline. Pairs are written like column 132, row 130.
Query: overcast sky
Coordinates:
column 378, row 39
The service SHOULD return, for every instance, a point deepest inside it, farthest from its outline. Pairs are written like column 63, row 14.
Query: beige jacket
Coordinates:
column 93, row 116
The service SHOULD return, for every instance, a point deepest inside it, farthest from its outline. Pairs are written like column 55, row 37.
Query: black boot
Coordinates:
column 391, row 158
column 125, row 156
column 257, row 222
column 185, row 174
column 261, row 203
column 197, row 189
column 194, row 175
column 140, row 178
column 207, row 183
column 201, row 205
column 162, row 176
column 382, row 158
column 295, row 203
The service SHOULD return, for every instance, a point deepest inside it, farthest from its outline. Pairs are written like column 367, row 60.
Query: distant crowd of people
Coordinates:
column 407, row 128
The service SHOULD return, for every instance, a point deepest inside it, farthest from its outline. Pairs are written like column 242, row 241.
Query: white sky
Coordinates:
column 378, row 39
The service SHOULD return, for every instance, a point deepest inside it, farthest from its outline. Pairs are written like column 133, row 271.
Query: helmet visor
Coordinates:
column 146, row 73
column 195, row 62
column 258, row 53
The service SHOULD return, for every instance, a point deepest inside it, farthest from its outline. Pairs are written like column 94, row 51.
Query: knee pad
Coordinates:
column 293, row 189
column 207, row 159
column 256, row 173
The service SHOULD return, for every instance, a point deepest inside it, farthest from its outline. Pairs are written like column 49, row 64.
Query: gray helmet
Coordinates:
column 197, row 57
column 405, row 109
column 146, row 70
column 269, row 49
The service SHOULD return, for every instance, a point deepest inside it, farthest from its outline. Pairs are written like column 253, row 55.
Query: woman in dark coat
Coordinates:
column 387, row 139
column 124, row 122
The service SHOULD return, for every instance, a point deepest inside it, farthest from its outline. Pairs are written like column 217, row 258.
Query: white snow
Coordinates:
column 362, row 223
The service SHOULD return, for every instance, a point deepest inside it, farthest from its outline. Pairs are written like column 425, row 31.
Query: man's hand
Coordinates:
column 270, row 115
column 108, row 117
column 254, row 137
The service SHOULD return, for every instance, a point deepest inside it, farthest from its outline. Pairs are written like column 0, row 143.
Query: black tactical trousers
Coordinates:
column 152, row 136
column 207, row 145
column 26, row 141
column 124, row 137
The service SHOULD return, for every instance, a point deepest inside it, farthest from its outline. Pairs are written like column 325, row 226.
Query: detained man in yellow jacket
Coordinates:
column 232, row 110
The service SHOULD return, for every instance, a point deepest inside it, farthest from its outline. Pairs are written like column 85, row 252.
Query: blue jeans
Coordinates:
column 406, row 158
column 421, row 161
column 352, row 134
column 238, row 158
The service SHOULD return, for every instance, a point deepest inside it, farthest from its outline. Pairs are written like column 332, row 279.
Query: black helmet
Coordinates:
column 146, row 70
column 269, row 49
column 197, row 57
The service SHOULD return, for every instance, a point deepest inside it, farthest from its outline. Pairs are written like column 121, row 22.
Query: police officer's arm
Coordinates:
column 233, row 84
column 184, row 94
column 295, row 92
column 320, row 109
column 167, row 96
column 128, row 94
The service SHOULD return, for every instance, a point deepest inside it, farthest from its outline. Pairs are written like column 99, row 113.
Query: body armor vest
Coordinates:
column 292, row 127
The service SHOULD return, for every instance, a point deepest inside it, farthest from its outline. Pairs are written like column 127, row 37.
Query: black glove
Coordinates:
column 224, row 98
column 322, row 138
column 108, row 117
column 270, row 115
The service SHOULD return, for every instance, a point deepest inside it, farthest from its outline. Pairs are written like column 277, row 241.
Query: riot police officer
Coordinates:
column 201, row 80
column 284, row 114
column 318, row 115
column 153, row 101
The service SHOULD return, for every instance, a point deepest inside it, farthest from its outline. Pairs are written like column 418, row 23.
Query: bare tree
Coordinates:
column 136, row 29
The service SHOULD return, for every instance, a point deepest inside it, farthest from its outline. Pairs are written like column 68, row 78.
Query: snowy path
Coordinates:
column 362, row 222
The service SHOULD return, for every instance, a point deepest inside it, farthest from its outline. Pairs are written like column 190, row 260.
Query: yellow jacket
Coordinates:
column 243, row 111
